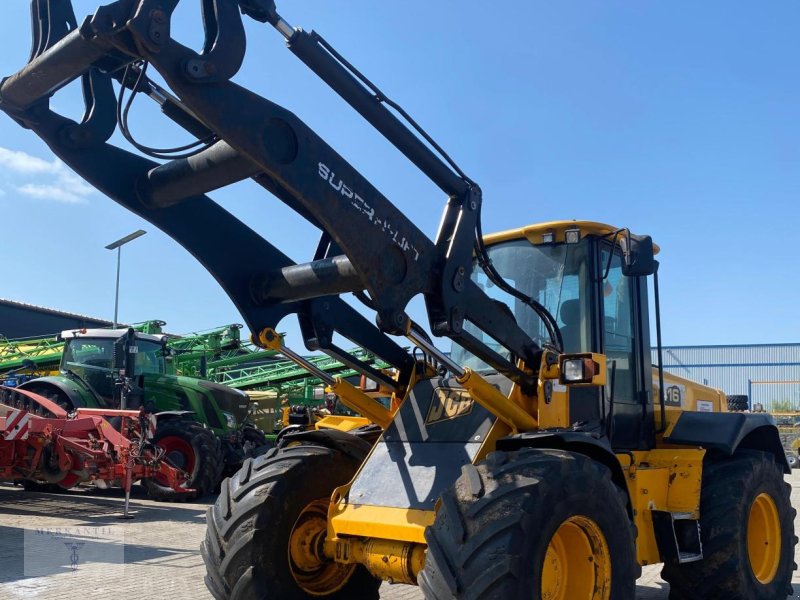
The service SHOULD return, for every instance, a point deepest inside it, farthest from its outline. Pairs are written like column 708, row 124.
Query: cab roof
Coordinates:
column 113, row 334
column 533, row 233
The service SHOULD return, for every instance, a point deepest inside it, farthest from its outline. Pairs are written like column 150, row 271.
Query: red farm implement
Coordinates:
column 40, row 442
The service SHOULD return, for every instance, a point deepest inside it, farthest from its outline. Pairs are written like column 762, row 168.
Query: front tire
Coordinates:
column 192, row 448
column 247, row 548
column 747, row 532
column 515, row 525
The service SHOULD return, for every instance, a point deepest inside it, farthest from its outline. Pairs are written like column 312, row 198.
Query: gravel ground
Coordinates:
column 154, row 556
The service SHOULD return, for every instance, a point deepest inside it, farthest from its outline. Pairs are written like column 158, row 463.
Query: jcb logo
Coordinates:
column 448, row 404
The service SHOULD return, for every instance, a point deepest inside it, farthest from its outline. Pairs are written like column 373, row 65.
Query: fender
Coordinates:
column 171, row 415
column 729, row 432
column 581, row 443
column 62, row 386
column 346, row 443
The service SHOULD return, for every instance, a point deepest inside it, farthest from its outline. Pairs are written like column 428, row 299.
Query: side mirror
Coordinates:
column 638, row 257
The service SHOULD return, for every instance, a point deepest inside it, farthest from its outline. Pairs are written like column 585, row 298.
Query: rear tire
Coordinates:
column 50, row 392
column 246, row 548
column 513, row 526
column 190, row 447
column 733, row 503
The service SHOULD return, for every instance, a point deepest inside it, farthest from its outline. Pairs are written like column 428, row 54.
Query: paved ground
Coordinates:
column 154, row 556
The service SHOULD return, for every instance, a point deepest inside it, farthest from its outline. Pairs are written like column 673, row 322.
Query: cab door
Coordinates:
column 625, row 336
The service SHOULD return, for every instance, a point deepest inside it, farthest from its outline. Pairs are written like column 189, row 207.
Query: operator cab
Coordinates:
column 577, row 271
column 98, row 357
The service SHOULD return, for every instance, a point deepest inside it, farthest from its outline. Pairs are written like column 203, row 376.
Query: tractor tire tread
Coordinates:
column 250, row 521
column 476, row 545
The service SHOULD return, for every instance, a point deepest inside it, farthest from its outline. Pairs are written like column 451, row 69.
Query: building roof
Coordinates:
column 51, row 311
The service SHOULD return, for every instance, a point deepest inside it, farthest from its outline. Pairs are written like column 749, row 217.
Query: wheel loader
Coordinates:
column 543, row 457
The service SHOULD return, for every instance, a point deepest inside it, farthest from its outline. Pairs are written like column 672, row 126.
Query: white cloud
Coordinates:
column 50, row 192
column 21, row 162
column 62, row 185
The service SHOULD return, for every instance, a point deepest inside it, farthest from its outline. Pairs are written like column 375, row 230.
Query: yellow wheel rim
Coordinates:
column 764, row 538
column 315, row 574
column 577, row 565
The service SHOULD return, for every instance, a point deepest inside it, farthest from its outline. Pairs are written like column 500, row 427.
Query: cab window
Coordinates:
column 618, row 329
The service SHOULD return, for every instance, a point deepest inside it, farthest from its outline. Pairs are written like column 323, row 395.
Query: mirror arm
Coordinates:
column 661, row 393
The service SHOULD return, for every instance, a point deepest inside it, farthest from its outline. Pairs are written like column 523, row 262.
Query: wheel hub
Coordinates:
column 177, row 452
column 764, row 538
column 312, row 571
column 577, row 565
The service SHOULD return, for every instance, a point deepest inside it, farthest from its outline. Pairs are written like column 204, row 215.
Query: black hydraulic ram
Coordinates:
column 209, row 170
column 49, row 72
column 322, row 277
column 312, row 49
column 62, row 52
column 334, row 70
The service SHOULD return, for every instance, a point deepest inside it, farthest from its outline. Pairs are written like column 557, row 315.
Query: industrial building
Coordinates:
column 768, row 374
column 21, row 320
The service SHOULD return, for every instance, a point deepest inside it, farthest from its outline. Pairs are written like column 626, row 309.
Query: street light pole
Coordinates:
column 118, row 247
column 116, row 293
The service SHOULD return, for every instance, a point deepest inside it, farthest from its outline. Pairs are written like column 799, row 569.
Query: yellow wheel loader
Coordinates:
column 543, row 458
column 596, row 475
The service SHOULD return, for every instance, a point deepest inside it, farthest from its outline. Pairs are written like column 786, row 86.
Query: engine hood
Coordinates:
column 229, row 400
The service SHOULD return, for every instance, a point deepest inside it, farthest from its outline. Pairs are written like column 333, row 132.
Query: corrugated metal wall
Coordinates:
column 744, row 369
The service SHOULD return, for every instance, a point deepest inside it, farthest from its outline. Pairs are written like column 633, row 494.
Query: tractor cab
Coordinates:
column 101, row 358
column 592, row 278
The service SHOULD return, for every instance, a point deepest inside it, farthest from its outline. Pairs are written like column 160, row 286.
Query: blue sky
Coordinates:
column 677, row 119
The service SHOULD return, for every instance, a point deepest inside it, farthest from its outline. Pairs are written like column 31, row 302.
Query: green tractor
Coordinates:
column 203, row 427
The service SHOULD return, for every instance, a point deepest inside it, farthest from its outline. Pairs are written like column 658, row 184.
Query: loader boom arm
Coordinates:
column 367, row 246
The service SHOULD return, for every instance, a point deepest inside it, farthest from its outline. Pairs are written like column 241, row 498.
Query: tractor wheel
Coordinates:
column 747, row 532
column 738, row 403
column 192, row 448
column 533, row 524
column 256, row 544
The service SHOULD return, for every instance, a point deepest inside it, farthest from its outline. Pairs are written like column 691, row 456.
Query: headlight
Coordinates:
column 574, row 370
column 572, row 236
column 582, row 369
column 230, row 420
